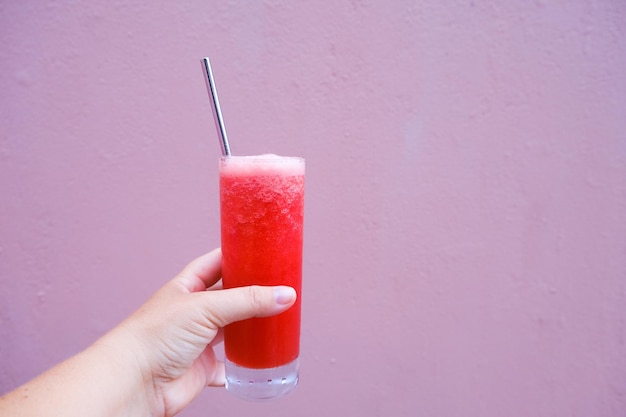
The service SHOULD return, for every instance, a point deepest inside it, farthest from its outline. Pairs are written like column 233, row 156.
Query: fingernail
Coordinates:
column 284, row 295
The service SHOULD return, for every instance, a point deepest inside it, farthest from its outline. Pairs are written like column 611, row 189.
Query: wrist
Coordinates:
column 99, row 381
column 129, row 379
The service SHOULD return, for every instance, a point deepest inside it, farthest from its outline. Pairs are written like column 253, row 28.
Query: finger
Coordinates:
column 202, row 272
column 219, row 337
column 205, row 370
column 226, row 306
column 217, row 286
column 213, row 369
column 219, row 375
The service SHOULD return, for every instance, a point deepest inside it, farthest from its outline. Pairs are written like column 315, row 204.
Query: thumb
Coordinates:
column 226, row 306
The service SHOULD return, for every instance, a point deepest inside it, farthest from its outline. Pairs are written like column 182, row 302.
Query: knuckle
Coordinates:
column 256, row 297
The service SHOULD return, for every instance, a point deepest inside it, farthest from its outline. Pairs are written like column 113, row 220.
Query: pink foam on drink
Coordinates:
column 266, row 164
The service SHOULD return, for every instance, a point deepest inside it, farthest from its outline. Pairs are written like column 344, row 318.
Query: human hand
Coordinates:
column 159, row 359
column 170, row 339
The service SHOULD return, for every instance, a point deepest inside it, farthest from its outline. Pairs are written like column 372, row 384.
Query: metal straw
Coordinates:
column 215, row 105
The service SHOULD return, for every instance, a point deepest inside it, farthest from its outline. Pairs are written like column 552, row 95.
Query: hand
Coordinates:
column 160, row 358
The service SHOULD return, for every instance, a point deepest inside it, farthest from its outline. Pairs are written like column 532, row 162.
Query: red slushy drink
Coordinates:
column 262, row 207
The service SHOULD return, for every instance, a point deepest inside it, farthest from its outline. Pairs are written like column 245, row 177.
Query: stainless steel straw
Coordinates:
column 215, row 105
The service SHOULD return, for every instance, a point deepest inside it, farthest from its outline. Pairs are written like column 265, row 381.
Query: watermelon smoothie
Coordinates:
column 262, row 207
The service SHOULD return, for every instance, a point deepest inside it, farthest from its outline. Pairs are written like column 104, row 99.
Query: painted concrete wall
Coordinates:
column 466, row 195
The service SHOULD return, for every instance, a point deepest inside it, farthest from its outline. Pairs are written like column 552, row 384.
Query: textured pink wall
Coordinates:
column 466, row 207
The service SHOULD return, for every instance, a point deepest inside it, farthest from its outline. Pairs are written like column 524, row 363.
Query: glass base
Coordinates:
column 261, row 384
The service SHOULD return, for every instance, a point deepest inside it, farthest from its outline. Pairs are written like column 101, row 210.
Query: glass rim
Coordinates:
column 263, row 158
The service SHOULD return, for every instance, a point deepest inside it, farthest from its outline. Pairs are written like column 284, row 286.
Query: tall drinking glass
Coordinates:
column 262, row 207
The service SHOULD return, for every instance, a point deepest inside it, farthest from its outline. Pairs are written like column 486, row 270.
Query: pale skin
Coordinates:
column 156, row 361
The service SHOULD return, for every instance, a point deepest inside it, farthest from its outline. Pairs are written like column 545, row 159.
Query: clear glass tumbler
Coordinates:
column 262, row 210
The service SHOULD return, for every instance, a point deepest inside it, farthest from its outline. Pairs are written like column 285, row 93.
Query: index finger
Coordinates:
column 202, row 272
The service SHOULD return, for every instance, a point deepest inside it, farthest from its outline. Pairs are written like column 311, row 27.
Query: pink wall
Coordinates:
column 466, row 207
